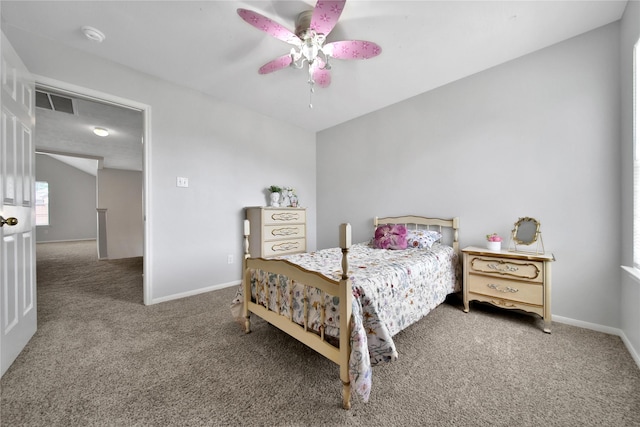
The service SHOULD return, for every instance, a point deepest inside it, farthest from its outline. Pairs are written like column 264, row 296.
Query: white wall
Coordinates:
column 630, row 291
column 72, row 201
column 537, row 136
column 229, row 154
column 120, row 194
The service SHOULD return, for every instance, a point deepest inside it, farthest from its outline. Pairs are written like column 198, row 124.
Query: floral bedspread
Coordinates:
column 392, row 289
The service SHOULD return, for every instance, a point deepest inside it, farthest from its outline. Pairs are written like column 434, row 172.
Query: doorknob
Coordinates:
column 8, row 221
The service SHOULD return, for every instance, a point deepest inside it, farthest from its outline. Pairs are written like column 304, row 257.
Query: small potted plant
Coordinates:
column 275, row 195
column 494, row 242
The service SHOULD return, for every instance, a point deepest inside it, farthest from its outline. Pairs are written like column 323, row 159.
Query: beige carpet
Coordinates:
column 101, row 358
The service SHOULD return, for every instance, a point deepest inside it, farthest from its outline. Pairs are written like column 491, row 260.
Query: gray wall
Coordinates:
column 228, row 153
column 120, row 193
column 537, row 136
column 72, row 201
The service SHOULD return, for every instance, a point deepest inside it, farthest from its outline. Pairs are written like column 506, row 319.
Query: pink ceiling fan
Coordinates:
column 312, row 29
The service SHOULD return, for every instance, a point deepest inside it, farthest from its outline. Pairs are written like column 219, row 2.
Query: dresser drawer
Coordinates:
column 503, row 267
column 282, row 247
column 529, row 293
column 284, row 216
column 282, row 231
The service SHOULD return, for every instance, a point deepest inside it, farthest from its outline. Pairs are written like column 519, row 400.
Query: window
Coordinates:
column 42, row 203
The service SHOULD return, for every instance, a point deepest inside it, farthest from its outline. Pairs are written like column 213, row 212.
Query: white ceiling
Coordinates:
column 63, row 133
column 206, row 46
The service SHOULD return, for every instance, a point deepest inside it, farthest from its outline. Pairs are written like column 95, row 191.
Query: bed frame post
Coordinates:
column 456, row 237
column 246, row 279
column 346, row 296
column 247, row 232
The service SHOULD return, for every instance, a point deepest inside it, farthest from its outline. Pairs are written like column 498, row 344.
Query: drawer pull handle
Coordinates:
column 284, row 231
column 284, row 216
column 505, row 290
column 505, row 267
column 286, row 246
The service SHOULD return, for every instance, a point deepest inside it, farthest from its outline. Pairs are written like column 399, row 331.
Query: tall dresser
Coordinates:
column 276, row 231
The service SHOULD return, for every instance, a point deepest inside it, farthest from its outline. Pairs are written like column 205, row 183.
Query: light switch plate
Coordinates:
column 182, row 181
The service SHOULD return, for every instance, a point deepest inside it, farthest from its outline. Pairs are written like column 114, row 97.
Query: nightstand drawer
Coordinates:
column 507, row 268
column 282, row 231
column 282, row 247
column 284, row 216
column 529, row 293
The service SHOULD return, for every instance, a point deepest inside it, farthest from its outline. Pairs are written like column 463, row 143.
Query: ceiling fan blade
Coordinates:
column 320, row 76
column 268, row 26
column 352, row 49
column 277, row 64
column 326, row 15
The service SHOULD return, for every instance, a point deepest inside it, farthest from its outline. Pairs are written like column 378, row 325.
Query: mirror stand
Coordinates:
column 539, row 249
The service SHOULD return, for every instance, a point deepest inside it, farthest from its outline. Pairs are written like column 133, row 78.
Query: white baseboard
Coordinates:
column 195, row 292
column 66, row 240
column 586, row 325
column 601, row 328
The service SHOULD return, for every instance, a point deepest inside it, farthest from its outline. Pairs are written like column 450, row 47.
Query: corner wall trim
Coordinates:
column 601, row 328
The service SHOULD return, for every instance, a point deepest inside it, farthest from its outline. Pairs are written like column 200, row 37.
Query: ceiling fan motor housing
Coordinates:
column 303, row 22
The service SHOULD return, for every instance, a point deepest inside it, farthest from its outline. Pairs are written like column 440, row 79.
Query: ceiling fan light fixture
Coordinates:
column 101, row 131
column 310, row 49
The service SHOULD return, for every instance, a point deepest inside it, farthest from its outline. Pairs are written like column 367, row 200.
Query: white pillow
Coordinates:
column 422, row 239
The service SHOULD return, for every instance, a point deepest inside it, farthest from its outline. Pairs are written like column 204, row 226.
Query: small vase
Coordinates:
column 494, row 246
column 275, row 198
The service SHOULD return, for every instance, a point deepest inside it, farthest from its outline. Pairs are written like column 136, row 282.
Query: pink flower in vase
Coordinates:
column 494, row 238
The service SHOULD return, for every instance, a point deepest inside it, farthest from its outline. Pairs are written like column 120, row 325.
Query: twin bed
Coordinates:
column 347, row 303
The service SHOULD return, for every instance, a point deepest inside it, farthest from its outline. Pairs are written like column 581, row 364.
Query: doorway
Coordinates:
column 66, row 118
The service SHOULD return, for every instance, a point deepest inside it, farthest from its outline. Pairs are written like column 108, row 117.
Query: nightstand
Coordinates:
column 512, row 280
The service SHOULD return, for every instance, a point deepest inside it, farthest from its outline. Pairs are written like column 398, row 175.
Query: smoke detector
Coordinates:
column 93, row 34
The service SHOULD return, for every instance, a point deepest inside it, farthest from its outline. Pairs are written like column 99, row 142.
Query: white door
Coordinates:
column 17, row 193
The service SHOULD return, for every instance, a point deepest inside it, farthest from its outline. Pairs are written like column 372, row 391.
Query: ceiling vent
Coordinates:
column 50, row 101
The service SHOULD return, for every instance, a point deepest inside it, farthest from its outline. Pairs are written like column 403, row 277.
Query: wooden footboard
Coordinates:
column 310, row 279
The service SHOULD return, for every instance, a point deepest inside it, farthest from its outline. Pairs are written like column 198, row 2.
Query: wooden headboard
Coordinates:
column 449, row 228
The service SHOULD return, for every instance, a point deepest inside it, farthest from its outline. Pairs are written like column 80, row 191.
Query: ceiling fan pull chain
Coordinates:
column 311, row 82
